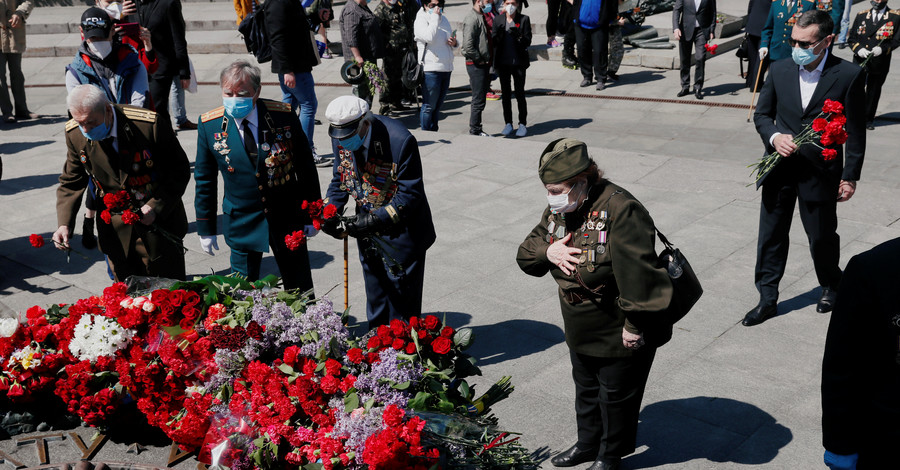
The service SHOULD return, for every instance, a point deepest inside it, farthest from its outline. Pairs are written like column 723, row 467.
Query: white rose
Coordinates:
column 8, row 327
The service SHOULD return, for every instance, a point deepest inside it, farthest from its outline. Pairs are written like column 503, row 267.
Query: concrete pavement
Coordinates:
column 720, row 396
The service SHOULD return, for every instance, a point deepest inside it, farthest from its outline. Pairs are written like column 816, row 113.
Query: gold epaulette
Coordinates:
column 896, row 12
column 864, row 12
column 277, row 106
column 138, row 114
column 214, row 114
column 71, row 124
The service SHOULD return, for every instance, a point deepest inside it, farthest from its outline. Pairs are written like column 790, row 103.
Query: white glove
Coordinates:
column 763, row 52
column 207, row 243
column 863, row 52
column 877, row 51
column 310, row 230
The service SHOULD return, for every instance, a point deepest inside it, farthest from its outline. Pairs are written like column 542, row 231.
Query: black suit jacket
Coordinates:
column 780, row 110
column 288, row 26
column 685, row 14
column 860, row 369
column 166, row 24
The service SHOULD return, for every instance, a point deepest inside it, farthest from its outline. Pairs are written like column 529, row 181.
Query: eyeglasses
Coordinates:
column 803, row 44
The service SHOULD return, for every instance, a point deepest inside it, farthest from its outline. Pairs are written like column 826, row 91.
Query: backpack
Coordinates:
column 412, row 72
column 256, row 36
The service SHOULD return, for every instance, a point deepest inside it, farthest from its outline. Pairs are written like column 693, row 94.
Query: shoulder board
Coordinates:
column 896, row 12
column 277, row 106
column 214, row 114
column 71, row 124
column 864, row 12
column 138, row 114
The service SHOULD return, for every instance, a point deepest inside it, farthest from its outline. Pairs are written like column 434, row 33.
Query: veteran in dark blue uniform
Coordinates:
column 377, row 162
column 259, row 148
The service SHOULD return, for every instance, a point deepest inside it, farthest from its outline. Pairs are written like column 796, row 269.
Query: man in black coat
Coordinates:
column 694, row 24
column 790, row 99
column 757, row 12
column 861, row 365
column 166, row 24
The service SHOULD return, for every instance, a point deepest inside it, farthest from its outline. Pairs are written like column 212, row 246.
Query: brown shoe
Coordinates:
column 187, row 126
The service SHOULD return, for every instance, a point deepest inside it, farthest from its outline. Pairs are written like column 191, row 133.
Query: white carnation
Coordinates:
column 96, row 336
column 8, row 327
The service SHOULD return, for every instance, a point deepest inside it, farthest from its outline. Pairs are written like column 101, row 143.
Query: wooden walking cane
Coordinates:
column 346, row 277
column 755, row 86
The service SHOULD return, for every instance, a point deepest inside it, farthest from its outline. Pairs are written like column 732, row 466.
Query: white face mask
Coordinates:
column 560, row 203
column 510, row 9
column 100, row 49
column 114, row 10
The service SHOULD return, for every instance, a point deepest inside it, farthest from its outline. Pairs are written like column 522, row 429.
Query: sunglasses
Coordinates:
column 803, row 44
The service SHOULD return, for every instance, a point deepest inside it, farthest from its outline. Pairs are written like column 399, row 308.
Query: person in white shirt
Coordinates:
column 435, row 41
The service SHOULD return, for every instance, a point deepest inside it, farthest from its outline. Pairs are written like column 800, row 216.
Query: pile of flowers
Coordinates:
column 252, row 377
column 827, row 128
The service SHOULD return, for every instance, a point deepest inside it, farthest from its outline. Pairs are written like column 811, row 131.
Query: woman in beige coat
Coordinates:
column 13, row 14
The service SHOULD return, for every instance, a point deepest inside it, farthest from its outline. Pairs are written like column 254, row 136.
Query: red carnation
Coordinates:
column 130, row 218
column 355, row 355
column 442, row 345
column 829, row 154
column 832, row 106
column 106, row 217
column 411, row 348
column 254, row 330
column 36, row 240
column 294, row 240
column 393, row 416
column 819, row 124
column 329, row 211
column 374, row 343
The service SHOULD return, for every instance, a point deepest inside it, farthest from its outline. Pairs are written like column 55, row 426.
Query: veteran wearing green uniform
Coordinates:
column 598, row 243
column 783, row 16
column 124, row 148
column 267, row 167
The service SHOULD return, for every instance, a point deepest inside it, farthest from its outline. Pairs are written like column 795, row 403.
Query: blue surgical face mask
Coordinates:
column 98, row 132
column 238, row 107
column 352, row 143
column 803, row 56
column 487, row 8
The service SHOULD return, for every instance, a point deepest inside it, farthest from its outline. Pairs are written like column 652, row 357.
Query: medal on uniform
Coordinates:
column 287, row 132
column 601, row 249
column 590, row 225
column 560, row 232
column 265, row 146
column 149, row 163
column 601, row 237
column 583, row 258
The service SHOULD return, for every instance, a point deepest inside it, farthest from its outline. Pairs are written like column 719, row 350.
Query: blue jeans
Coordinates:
column 433, row 93
column 176, row 101
column 303, row 95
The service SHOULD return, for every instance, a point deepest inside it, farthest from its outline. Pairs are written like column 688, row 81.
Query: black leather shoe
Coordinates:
column 586, row 82
column 605, row 464
column 870, row 126
column 759, row 314
column 698, row 94
column 826, row 302
column 574, row 456
column 683, row 92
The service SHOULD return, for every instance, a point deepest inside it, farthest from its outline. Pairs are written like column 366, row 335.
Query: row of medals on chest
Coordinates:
column 590, row 252
column 348, row 179
column 277, row 153
column 140, row 184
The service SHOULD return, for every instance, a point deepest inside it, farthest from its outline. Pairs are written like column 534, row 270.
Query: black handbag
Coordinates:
column 686, row 288
column 413, row 69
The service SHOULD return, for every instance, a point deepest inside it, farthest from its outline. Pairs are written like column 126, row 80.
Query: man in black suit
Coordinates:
column 874, row 33
column 861, row 365
column 791, row 98
column 757, row 12
column 694, row 23
column 166, row 24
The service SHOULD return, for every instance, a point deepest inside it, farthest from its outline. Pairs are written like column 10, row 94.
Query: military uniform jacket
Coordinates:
column 385, row 178
column 780, row 110
column 150, row 165
column 620, row 285
column 258, row 200
column 396, row 23
column 868, row 34
column 779, row 24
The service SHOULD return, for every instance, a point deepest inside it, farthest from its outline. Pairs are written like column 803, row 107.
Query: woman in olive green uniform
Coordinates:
column 598, row 243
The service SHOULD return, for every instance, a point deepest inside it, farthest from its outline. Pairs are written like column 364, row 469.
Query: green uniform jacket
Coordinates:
column 151, row 166
column 622, row 271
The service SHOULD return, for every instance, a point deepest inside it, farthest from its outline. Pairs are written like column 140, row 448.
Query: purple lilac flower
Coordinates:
column 230, row 363
column 376, row 383
column 358, row 425
column 321, row 318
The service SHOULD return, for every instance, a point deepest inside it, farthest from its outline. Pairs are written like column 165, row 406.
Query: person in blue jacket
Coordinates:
column 377, row 162
column 261, row 151
column 592, row 19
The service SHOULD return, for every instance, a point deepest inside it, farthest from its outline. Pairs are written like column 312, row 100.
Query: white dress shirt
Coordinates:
column 808, row 82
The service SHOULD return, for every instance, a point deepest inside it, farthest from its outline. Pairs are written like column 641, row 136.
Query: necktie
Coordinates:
column 111, row 154
column 250, row 143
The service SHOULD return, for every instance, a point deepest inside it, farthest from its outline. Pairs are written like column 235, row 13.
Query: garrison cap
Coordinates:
column 344, row 115
column 96, row 23
column 563, row 159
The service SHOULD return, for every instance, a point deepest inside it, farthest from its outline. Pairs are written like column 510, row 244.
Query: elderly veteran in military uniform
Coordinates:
column 378, row 164
column 265, row 160
column 598, row 243
column 125, row 148
column 874, row 33
column 776, row 34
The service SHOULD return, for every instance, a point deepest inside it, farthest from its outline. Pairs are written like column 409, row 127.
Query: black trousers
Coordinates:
column 553, row 17
column 608, row 394
column 820, row 223
column 874, row 81
column 293, row 265
column 697, row 41
column 568, row 28
column 391, row 295
column 479, row 81
column 755, row 63
column 16, row 83
column 517, row 75
column 159, row 90
column 593, row 52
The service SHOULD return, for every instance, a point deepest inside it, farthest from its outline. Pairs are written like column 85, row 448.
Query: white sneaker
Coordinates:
column 507, row 130
column 521, row 131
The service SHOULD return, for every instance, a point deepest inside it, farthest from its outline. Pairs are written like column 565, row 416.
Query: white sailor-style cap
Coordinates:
column 344, row 115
